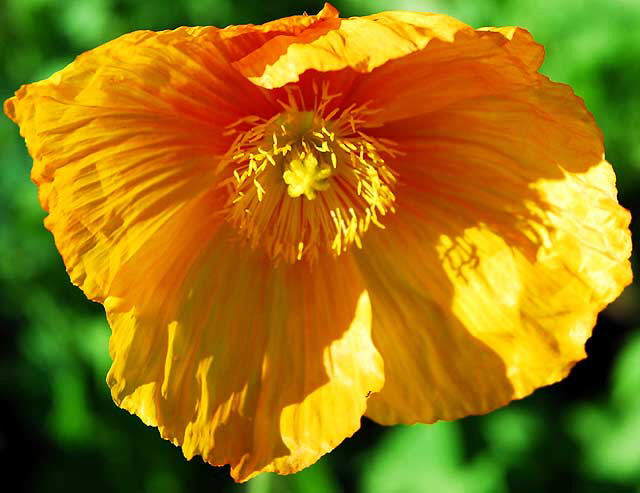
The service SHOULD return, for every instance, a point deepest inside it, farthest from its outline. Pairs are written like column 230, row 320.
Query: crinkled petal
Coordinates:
column 434, row 366
column 467, row 319
column 511, row 236
column 252, row 48
column 471, row 65
column 518, row 43
column 259, row 367
column 512, row 241
column 336, row 44
column 124, row 137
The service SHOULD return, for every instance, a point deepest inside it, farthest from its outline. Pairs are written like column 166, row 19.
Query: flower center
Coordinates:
column 305, row 176
column 305, row 183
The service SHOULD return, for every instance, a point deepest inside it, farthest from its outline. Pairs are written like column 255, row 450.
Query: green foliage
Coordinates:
column 580, row 436
column 318, row 478
column 434, row 456
column 609, row 432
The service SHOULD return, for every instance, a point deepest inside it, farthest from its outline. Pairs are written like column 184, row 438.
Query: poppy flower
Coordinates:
column 296, row 224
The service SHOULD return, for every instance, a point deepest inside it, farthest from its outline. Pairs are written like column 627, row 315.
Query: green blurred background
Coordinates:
column 63, row 432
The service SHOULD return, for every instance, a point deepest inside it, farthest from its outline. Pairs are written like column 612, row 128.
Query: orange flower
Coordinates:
column 297, row 224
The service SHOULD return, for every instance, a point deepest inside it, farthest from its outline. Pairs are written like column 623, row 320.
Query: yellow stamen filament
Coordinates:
column 307, row 182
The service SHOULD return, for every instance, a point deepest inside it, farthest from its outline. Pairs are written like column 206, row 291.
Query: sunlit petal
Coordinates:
column 514, row 243
column 265, row 369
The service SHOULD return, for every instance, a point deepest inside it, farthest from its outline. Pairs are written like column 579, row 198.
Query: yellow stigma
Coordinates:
column 305, row 176
column 324, row 155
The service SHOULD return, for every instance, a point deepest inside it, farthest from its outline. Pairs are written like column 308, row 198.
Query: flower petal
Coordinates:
column 513, row 242
column 466, row 320
column 336, row 44
column 434, row 366
column 262, row 368
column 253, row 48
column 125, row 136
column 472, row 64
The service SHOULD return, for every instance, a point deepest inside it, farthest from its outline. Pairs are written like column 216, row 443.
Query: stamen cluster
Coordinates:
column 308, row 181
